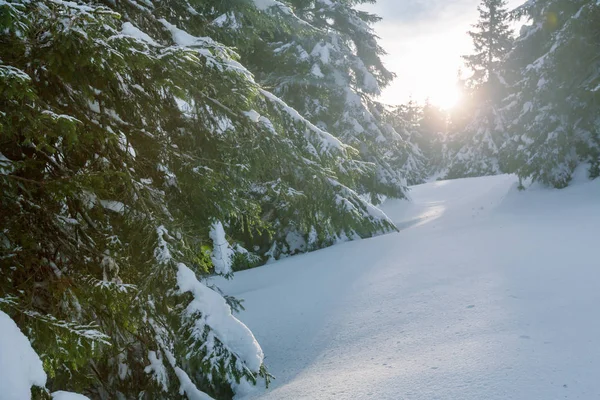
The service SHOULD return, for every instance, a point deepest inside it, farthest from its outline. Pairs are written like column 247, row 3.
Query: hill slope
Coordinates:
column 486, row 293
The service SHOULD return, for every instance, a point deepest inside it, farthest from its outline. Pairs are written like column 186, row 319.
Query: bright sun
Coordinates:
column 446, row 98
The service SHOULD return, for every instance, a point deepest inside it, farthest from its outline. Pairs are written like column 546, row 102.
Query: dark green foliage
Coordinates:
column 123, row 138
column 555, row 87
column 492, row 40
column 324, row 61
column 477, row 135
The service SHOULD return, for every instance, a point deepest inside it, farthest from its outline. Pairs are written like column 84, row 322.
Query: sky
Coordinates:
column 424, row 40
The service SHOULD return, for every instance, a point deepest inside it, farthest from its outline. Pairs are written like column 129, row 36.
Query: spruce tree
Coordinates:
column 329, row 68
column 554, row 77
column 492, row 40
column 478, row 139
column 405, row 119
column 137, row 157
column 433, row 127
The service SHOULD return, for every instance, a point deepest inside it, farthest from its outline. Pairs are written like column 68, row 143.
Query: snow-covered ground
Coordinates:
column 486, row 293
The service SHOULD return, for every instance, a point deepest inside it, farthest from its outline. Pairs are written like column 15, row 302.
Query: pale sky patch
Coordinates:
column 425, row 40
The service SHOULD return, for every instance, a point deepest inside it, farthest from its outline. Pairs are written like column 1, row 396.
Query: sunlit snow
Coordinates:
column 485, row 293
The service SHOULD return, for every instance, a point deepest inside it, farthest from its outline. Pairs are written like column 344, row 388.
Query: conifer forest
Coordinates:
column 165, row 165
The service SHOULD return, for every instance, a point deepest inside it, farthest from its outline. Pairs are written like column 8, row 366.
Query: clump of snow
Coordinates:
column 158, row 370
column 368, row 209
column 295, row 241
column 321, row 51
column 188, row 388
column 20, row 366
column 123, row 368
column 205, row 46
column 61, row 395
column 125, row 145
column 129, row 30
column 222, row 254
column 113, row 205
column 214, row 312
column 181, row 37
column 328, row 141
column 10, row 72
column 253, row 115
column 185, row 107
column 264, row 5
column 316, row 71
column 227, row 20
column 162, row 254
column 5, row 165
column 57, row 117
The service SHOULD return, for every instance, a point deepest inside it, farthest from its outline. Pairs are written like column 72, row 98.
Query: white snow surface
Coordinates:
column 485, row 293
column 20, row 366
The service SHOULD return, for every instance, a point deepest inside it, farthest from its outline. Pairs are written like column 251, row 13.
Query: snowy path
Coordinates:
column 487, row 293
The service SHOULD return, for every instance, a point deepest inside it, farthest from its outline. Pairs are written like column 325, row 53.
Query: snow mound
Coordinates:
column 20, row 366
column 61, row 395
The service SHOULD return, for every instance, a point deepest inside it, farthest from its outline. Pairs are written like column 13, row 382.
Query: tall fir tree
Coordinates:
column 404, row 119
column 479, row 139
column 552, row 105
column 434, row 129
column 137, row 157
column 492, row 40
column 329, row 68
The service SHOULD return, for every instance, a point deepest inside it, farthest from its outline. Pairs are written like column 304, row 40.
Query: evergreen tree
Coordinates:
column 479, row 139
column 404, row 119
column 492, row 40
column 329, row 69
column 554, row 77
column 433, row 128
column 136, row 158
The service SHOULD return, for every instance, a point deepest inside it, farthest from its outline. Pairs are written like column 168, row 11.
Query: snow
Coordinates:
column 185, row 107
column 61, row 395
column 8, row 71
column 316, row 71
column 295, row 241
column 5, row 165
column 328, row 141
column 485, row 293
column 222, row 254
column 321, row 51
column 162, row 254
column 227, row 20
column 129, row 30
column 264, row 5
column 216, row 313
column 113, row 205
column 181, row 37
column 204, row 45
column 20, row 366
column 253, row 115
column 188, row 387
column 158, row 370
